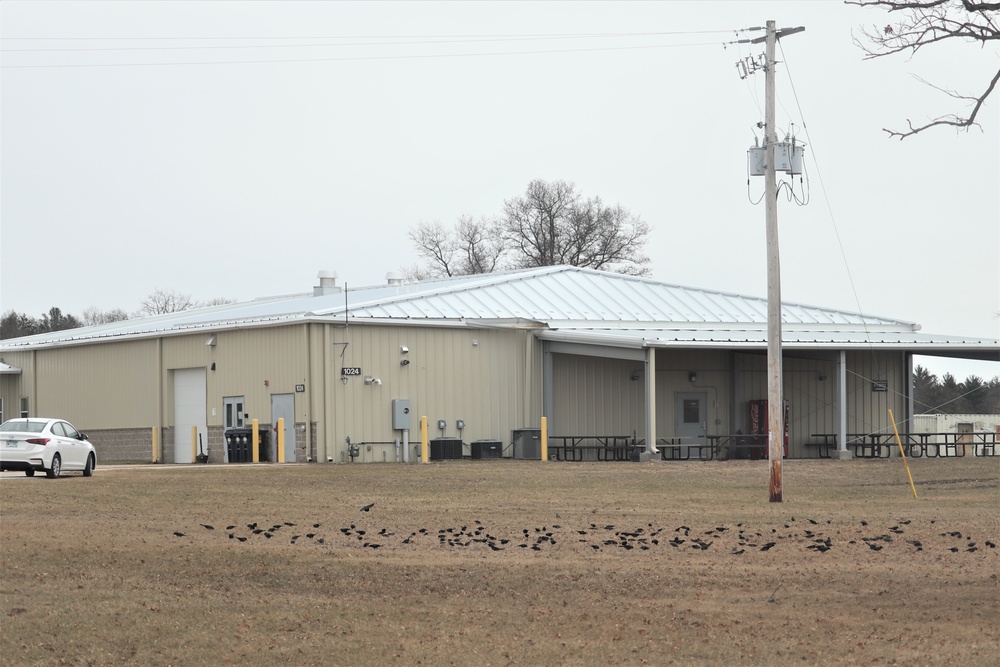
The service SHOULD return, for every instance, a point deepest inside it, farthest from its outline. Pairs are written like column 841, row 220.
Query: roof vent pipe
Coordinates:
column 327, row 283
column 394, row 278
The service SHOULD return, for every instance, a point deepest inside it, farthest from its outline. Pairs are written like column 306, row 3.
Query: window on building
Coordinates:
column 24, row 406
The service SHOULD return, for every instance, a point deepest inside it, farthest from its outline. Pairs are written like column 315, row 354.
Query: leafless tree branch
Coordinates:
column 922, row 24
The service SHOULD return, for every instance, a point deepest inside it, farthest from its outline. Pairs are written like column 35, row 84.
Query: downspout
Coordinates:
column 651, row 401
column 309, row 386
column 159, row 398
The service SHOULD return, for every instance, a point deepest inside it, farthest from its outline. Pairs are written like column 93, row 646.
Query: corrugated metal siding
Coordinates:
column 448, row 377
column 245, row 359
column 813, row 402
column 595, row 396
column 99, row 386
column 868, row 411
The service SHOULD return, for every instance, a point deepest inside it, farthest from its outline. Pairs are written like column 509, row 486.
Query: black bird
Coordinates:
column 953, row 550
column 242, row 539
column 207, row 527
column 321, row 541
column 315, row 525
column 874, row 547
column 767, row 546
column 367, row 507
column 864, row 523
column 179, row 533
column 991, row 545
column 230, row 527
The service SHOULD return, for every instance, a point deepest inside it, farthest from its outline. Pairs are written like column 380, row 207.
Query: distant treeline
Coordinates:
column 948, row 396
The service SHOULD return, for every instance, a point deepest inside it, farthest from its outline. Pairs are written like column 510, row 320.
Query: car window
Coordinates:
column 27, row 426
column 70, row 431
column 57, row 428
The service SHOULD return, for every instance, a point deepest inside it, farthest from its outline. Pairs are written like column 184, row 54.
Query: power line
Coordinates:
column 370, row 58
column 484, row 37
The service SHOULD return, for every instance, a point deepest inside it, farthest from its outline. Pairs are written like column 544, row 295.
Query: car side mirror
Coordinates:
column 83, row 436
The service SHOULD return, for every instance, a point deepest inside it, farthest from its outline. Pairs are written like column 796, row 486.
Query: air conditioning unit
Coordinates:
column 527, row 443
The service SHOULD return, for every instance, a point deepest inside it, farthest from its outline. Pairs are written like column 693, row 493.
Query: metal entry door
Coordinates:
column 283, row 407
column 189, row 411
column 691, row 418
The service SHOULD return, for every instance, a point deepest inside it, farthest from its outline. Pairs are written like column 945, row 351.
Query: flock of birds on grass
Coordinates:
column 597, row 537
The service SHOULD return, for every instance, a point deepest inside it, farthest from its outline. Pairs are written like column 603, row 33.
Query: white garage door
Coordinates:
column 189, row 411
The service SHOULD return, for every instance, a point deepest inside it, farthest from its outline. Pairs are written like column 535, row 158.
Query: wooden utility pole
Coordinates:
column 775, row 416
column 775, row 401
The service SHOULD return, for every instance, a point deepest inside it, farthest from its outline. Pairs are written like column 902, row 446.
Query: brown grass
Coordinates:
column 92, row 573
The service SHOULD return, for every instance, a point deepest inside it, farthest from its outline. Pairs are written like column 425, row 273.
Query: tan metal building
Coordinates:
column 482, row 357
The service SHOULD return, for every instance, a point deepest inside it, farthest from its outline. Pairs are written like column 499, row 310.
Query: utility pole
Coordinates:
column 775, row 394
column 775, row 406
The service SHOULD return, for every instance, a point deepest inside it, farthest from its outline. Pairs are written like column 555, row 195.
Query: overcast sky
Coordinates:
column 233, row 149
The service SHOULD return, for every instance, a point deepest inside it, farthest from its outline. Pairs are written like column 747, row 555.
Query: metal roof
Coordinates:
column 562, row 302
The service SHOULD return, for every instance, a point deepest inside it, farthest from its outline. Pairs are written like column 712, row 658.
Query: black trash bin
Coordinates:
column 263, row 447
column 239, row 445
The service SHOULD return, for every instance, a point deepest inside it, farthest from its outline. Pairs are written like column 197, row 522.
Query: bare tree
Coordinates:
column 473, row 246
column 550, row 224
column 929, row 22
column 162, row 301
column 93, row 315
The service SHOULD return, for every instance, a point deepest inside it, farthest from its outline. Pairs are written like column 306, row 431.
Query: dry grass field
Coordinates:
column 503, row 563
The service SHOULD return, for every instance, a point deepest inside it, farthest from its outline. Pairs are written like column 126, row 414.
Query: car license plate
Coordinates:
column 12, row 443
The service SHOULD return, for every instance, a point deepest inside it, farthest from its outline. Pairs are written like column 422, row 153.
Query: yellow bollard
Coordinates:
column 425, row 448
column 194, row 444
column 255, row 425
column 156, row 445
column 280, row 439
column 545, row 438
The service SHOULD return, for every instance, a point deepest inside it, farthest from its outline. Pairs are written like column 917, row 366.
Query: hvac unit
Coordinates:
column 446, row 448
column 527, row 443
column 487, row 449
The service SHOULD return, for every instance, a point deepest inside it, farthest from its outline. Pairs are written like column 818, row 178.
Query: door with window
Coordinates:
column 691, row 419
column 232, row 416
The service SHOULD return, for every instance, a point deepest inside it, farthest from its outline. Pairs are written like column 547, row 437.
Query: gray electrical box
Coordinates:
column 400, row 414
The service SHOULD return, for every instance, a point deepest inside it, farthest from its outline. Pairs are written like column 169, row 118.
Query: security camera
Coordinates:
column 404, row 362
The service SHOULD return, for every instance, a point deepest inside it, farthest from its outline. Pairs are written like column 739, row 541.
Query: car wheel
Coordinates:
column 88, row 470
column 30, row 472
column 56, row 468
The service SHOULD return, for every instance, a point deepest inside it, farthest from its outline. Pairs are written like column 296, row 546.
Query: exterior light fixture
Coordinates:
column 692, row 377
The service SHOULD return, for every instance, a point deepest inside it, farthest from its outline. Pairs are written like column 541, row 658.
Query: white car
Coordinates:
column 52, row 445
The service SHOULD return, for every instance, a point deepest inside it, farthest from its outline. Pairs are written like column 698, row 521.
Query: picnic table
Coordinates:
column 593, row 447
column 931, row 445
